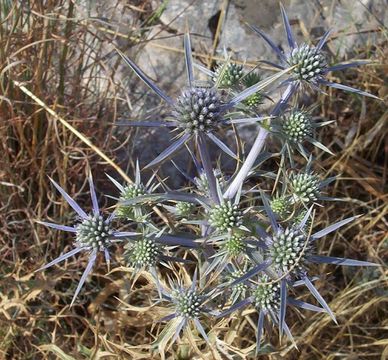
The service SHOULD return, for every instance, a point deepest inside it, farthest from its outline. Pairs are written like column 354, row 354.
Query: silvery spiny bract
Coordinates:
column 309, row 64
column 247, row 246
column 93, row 233
column 195, row 114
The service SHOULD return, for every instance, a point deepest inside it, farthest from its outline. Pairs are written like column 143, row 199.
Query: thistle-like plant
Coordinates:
column 295, row 127
column 250, row 249
column 130, row 192
column 93, row 232
column 187, row 304
column 309, row 63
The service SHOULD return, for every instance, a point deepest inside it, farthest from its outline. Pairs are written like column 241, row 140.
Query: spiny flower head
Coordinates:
column 280, row 205
column 94, row 232
column 235, row 245
column 198, row 109
column 187, row 302
column 310, row 61
column 288, row 248
column 228, row 75
column 267, row 295
column 143, row 253
column 226, row 216
column 184, row 209
column 305, row 187
column 240, row 287
column 255, row 99
column 129, row 192
column 297, row 125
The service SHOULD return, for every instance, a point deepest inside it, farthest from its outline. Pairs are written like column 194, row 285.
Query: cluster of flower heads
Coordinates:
column 247, row 250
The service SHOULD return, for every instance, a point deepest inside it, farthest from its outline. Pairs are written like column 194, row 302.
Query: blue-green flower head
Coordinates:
column 305, row 187
column 226, row 216
column 235, row 245
column 240, row 287
column 188, row 303
column 310, row 62
column 143, row 253
column 266, row 295
column 129, row 192
column 228, row 75
column 198, row 109
column 256, row 98
column 288, row 249
column 297, row 125
column 184, row 208
column 94, row 232
column 281, row 205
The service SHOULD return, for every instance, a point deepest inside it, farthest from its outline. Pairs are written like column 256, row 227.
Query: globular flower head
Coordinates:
column 280, row 205
column 241, row 287
column 94, row 232
column 187, row 302
column 235, row 245
column 256, row 98
column 198, row 109
column 266, row 295
column 129, row 192
column 297, row 125
column 310, row 62
column 305, row 187
column 288, row 249
column 228, row 75
column 225, row 217
column 143, row 253
column 184, row 209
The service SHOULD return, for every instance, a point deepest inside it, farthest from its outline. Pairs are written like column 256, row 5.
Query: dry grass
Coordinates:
column 66, row 64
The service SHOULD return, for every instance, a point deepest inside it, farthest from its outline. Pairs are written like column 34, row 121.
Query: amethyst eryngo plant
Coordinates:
column 244, row 247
